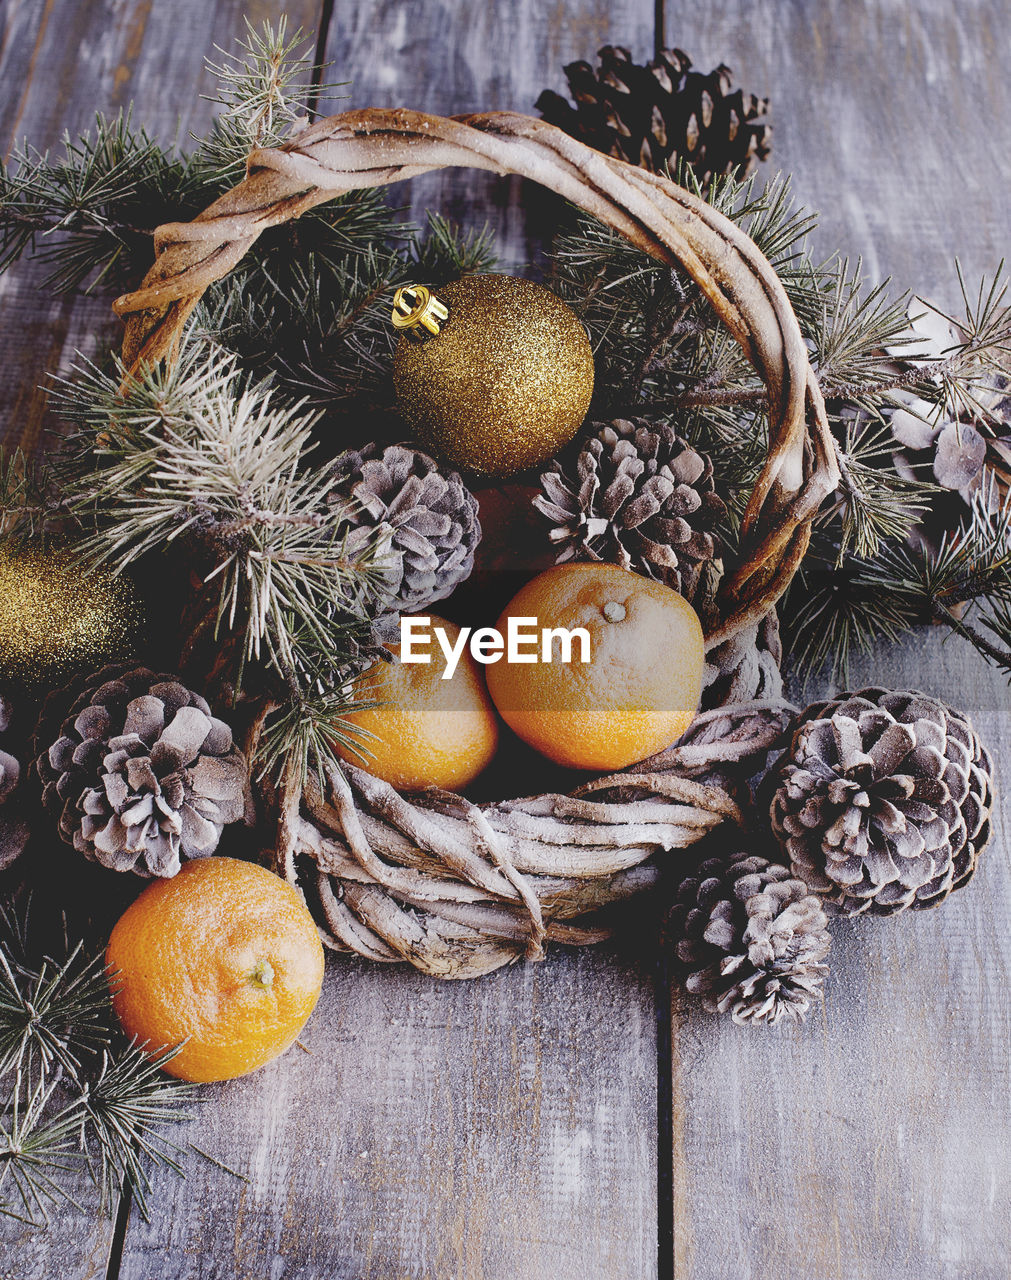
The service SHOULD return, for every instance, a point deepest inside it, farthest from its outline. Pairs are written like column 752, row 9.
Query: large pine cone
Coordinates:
column 883, row 801
column 750, row 939
column 10, row 770
column 141, row 774
column 656, row 114
column 637, row 496
column 13, row 828
column 427, row 520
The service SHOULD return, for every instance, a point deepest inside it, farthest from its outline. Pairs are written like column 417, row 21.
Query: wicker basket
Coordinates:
column 456, row 888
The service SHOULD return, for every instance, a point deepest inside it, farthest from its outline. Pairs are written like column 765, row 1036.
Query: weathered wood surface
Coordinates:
column 508, row 1128
column 893, row 116
column 499, row 1128
column 436, row 1130
column 61, row 61
column 874, row 1143
column 454, row 56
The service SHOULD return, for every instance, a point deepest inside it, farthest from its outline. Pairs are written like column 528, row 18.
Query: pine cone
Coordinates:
column 428, row 519
column 10, row 770
column 13, row 827
column 141, row 773
column 946, row 447
column 656, row 114
column 883, row 801
column 637, row 496
column 750, row 939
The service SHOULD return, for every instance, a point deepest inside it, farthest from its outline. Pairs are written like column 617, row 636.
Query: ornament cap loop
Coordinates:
column 415, row 306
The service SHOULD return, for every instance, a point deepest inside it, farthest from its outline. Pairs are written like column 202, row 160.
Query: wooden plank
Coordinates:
column 452, row 56
column 490, row 1129
column 892, row 118
column 874, row 1143
column 60, row 61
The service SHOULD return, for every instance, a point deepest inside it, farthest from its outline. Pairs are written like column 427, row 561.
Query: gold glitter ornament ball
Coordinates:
column 504, row 384
column 56, row 619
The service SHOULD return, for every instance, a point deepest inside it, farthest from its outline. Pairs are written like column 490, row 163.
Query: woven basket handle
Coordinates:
column 372, row 148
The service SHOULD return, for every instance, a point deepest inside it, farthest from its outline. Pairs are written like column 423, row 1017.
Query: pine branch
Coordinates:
column 52, row 1016
column 91, row 214
column 200, row 452
column 124, row 1111
column 305, row 734
column 967, row 576
column 873, row 503
column 265, row 87
column 73, row 1093
column 37, row 1144
column 29, row 501
column 835, row 609
column 983, row 354
column 999, row 655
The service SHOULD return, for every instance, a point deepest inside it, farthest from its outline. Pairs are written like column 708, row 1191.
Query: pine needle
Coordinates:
column 36, row 1151
column 124, row 1110
column 51, row 1016
column 75, row 1095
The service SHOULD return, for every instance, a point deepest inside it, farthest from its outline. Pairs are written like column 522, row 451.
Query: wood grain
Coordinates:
column 486, row 1130
column 453, row 56
column 893, row 118
column 872, row 1143
column 506, row 1128
column 61, row 61
column 875, row 1142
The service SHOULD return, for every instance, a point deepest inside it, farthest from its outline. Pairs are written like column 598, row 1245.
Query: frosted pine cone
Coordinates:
column 750, row 939
column 141, row 774
column 637, row 496
column 10, row 770
column 427, row 519
column 948, row 444
column 883, row 801
column 13, row 828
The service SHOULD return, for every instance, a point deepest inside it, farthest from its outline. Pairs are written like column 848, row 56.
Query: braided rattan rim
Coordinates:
column 435, row 880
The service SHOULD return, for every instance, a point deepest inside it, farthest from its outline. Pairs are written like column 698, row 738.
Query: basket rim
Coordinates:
column 376, row 146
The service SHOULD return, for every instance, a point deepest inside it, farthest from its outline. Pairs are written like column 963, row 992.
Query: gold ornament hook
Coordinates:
column 415, row 306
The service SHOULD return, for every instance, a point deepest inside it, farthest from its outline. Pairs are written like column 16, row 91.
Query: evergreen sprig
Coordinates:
column 966, row 372
column 27, row 502
column 39, row 1149
column 965, row 581
column 53, row 1015
column 74, row 1093
column 124, row 1111
column 91, row 214
column 873, row 505
column 307, row 733
column 838, row 607
column 201, row 451
column 268, row 88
